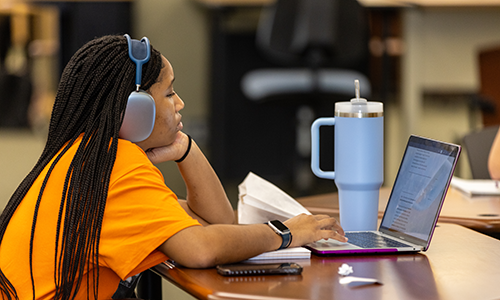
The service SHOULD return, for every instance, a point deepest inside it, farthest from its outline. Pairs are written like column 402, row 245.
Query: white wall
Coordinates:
column 442, row 47
column 179, row 30
column 19, row 151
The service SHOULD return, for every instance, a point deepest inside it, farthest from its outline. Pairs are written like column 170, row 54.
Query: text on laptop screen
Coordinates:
column 416, row 196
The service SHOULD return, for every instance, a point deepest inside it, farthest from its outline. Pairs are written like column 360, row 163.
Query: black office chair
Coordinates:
column 322, row 43
column 145, row 285
column 477, row 145
column 322, row 47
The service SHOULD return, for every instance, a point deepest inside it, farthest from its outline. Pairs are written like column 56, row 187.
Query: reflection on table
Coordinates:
column 460, row 264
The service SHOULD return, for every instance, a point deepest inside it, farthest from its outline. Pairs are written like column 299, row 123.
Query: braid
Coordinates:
column 91, row 100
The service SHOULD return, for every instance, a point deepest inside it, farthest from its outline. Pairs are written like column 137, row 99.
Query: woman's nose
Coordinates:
column 179, row 103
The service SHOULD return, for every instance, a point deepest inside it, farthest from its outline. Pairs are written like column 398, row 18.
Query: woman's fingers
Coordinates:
column 332, row 224
column 310, row 228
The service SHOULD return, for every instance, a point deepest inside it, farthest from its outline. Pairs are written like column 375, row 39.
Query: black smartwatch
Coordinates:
column 283, row 231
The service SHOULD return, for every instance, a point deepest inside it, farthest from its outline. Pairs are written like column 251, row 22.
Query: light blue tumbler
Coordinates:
column 358, row 160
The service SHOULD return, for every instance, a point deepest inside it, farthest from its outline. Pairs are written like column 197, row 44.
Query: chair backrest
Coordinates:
column 477, row 145
column 315, row 33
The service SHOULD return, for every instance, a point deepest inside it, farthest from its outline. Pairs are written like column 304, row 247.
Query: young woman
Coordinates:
column 95, row 209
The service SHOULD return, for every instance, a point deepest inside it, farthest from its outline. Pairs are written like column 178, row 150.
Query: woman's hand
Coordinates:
column 170, row 152
column 307, row 229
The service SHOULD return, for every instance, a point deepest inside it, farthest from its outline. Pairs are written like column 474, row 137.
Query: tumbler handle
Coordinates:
column 315, row 147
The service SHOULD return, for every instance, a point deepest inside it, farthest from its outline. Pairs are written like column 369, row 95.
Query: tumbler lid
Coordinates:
column 359, row 107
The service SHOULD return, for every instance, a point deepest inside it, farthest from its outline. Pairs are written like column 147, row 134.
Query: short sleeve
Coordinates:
column 141, row 214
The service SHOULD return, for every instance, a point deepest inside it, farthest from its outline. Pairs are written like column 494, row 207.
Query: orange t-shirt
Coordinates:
column 141, row 213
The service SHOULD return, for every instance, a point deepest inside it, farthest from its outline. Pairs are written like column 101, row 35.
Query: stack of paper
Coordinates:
column 476, row 187
column 284, row 254
column 259, row 202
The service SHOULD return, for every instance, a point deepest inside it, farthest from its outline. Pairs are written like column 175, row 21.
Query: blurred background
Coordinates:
column 423, row 62
column 434, row 66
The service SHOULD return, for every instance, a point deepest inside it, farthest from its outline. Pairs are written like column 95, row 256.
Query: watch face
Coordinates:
column 280, row 226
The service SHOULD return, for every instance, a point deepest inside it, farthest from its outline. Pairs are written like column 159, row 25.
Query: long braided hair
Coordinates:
column 90, row 100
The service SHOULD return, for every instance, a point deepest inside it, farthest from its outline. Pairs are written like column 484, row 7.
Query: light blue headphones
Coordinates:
column 139, row 117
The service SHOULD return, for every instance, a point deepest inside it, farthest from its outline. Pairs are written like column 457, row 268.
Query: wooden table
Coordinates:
column 478, row 213
column 460, row 264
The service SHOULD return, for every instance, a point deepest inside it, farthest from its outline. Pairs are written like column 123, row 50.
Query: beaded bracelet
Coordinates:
column 187, row 150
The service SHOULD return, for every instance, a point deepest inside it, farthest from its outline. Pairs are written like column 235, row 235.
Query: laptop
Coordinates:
column 413, row 207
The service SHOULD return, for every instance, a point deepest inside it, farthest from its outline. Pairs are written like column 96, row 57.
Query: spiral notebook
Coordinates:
column 414, row 204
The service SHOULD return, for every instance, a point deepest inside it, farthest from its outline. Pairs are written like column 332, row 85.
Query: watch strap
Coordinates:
column 286, row 236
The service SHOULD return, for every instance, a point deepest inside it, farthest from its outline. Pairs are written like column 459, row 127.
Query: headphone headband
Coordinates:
column 139, row 52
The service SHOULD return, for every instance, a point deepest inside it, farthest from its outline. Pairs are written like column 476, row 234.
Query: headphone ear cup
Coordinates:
column 139, row 117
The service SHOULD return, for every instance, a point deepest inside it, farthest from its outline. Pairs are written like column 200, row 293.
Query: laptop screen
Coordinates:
column 417, row 195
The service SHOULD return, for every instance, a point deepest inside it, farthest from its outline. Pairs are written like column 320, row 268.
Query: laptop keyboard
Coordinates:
column 372, row 240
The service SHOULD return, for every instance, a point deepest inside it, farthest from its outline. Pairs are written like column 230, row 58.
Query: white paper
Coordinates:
column 345, row 270
column 352, row 281
column 289, row 253
column 476, row 187
column 261, row 201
